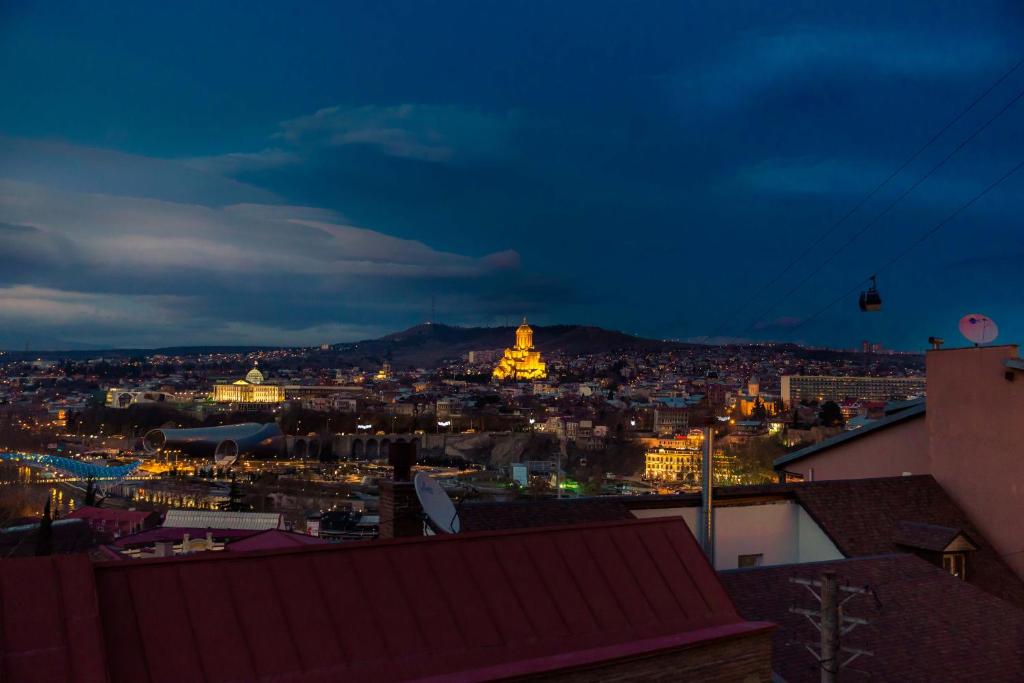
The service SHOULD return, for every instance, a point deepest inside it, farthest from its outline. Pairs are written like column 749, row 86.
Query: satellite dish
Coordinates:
column 978, row 328
column 436, row 504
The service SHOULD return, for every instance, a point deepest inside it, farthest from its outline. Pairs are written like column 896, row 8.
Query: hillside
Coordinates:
column 429, row 344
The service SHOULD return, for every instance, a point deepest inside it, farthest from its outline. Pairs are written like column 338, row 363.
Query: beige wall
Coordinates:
column 975, row 419
column 781, row 531
column 890, row 452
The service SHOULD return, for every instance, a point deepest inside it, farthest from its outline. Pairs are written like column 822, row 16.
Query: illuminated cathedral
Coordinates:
column 521, row 362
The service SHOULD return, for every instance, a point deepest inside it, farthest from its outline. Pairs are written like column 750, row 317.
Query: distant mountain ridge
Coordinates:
column 431, row 343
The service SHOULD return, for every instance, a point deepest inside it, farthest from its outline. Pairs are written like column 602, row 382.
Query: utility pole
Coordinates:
column 707, row 529
column 558, row 466
column 831, row 623
column 829, row 627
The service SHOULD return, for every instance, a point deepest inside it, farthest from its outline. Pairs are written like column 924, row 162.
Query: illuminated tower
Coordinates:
column 521, row 362
column 524, row 337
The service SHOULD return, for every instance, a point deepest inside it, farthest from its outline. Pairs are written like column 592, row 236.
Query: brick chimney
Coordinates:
column 400, row 512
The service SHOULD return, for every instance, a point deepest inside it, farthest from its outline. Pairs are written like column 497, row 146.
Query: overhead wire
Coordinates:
column 920, row 240
column 866, row 198
column 903, row 195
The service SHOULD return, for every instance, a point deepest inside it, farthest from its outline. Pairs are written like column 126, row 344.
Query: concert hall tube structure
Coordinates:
column 250, row 438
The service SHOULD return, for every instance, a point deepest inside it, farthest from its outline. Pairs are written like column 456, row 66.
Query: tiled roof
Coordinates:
column 862, row 517
column 925, row 625
column 925, row 536
column 466, row 607
column 526, row 514
column 914, row 411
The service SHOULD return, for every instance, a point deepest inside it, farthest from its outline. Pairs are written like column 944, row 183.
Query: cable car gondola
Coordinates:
column 870, row 300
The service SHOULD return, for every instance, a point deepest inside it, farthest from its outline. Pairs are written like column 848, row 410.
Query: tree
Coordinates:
column 44, row 538
column 90, row 492
column 831, row 415
column 235, row 501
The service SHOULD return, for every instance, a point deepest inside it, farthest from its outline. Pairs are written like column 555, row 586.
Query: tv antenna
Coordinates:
column 978, row 329
column 442, row 516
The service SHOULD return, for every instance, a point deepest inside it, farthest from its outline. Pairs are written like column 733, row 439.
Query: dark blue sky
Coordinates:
column 307, row 172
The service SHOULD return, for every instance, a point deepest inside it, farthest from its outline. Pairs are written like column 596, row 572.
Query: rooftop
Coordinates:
column 924, row 624
column 913, row 411
column 467, row 607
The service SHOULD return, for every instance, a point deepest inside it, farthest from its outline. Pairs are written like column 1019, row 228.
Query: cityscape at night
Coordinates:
column 473, row 341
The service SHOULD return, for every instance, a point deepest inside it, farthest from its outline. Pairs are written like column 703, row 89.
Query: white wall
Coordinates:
column 781, row 531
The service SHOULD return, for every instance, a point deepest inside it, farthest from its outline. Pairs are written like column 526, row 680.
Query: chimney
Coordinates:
column 163, row 549
column 400, row 512
column 184, row 543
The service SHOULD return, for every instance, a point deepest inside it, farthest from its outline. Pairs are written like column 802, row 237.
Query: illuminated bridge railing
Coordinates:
column 78, row 468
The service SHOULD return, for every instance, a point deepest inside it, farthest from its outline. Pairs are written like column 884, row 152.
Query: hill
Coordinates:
column 429, row 344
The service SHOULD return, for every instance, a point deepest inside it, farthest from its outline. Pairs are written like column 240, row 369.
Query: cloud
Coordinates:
column 131, row 267
column 74, row 168
column 145, row 235
column 760, row 61
column 239, row 162
column 408, row 131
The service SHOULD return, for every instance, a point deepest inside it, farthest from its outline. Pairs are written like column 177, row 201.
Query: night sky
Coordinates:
column 298, row 173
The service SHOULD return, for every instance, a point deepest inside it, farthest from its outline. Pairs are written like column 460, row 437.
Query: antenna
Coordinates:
column 441, row 514
column 978, row 329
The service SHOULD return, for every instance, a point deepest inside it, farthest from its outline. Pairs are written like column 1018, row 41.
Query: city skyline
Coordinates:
column 331, row 174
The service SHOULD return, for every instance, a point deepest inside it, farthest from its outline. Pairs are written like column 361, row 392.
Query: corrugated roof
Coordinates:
column 924, row 624
column 219, row 519
column 467, row 607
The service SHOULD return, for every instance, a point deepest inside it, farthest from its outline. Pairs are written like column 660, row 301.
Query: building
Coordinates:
column 799, row 523
column 966, row 435
column 453, row 608
column 123, row 398
column 248, row 390
column 686, row 465
column 669, row 421
column 522, row 362
column 384, row 374
column 797, row 388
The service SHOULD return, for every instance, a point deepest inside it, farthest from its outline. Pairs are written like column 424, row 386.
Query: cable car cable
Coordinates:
column 913, row 245
column 963, row 143
column 995, row 84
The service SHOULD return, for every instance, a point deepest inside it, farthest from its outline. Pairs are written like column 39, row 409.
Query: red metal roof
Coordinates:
column 273, row 539
column 467, row 607
column 115, row 522
column 175, row 534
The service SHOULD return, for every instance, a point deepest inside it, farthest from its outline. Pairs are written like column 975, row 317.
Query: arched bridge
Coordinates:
column 78, row 468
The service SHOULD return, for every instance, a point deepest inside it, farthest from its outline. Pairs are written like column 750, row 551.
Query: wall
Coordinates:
column 974, row 427
column 781, row 531
column 889, row 452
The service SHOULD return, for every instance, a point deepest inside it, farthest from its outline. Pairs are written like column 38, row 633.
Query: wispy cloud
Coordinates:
column 759, row 61
column 409, row 131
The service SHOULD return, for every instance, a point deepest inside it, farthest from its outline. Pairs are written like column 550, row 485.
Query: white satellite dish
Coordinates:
column 978, row 328
column 436, row 504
